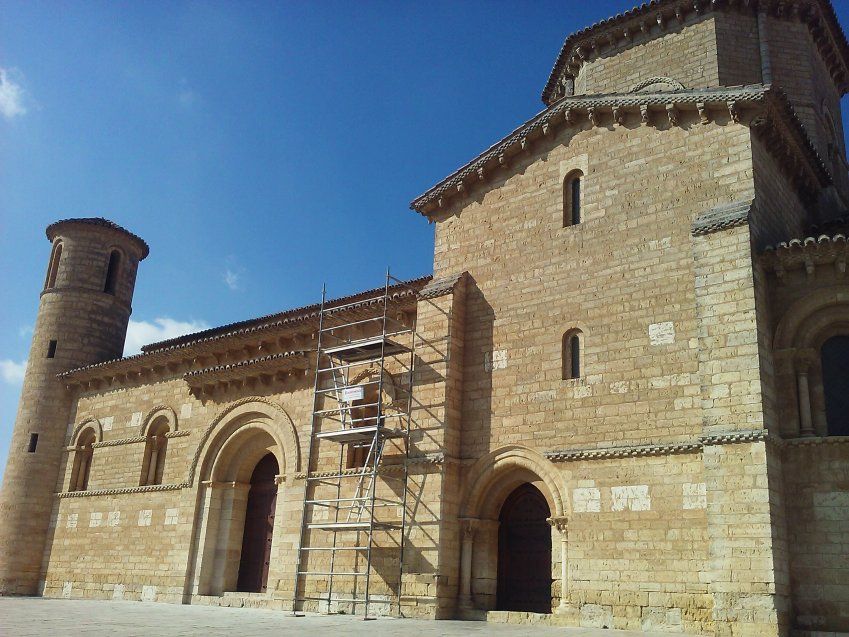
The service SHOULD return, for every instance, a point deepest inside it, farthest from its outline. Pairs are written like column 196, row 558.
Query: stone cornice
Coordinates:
column 654, row 19
column 99, row 222
column 249, row 344
column 807, row 254
column 661, row 449
column 136, row 439
column 123, row 490
column 722, row 218
column 769, row 110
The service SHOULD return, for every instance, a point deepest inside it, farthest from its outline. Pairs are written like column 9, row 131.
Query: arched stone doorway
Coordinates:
column 516, row 487
column 259, row 527
column 524, row 552
column 245, row 469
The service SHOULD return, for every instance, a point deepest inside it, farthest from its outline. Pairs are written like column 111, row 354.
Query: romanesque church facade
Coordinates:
column 620, row 399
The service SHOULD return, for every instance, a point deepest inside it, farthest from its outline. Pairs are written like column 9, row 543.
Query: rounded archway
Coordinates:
column 258, row 533
column 243, row 465
column 524, row 552
column 512, row 484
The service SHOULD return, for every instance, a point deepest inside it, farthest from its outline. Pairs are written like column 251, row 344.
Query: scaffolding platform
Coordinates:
column 350, row 413
column 366, row 349
column 360, row 435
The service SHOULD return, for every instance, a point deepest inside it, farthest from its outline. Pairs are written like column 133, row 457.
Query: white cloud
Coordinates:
column 231, row 279
column 186, row 97
column 11, row 96
column 12, row 372
column 25, row 331
column 143, row 332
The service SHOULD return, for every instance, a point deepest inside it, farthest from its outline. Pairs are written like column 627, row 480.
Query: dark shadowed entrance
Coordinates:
column 259, row 525
column 524, row 552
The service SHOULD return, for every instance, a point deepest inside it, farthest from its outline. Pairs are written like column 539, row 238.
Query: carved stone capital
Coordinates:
column 468, row 527
column 560, row 522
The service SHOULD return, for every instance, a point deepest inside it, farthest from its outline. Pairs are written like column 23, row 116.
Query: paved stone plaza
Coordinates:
column 28, row 617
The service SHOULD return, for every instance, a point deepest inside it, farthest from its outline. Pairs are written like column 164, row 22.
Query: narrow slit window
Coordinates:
column 572, row 355
column 572, row 194
column 112, row 272
column 51, row 349
column 33, row 443
column 53, row 268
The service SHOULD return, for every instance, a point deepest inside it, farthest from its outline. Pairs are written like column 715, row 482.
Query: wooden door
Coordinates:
column 259, row 527
column 524, row 552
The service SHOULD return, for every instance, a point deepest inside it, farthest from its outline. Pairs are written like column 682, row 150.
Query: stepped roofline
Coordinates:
column 667, row 14
column 773, row 112
column 161, row 350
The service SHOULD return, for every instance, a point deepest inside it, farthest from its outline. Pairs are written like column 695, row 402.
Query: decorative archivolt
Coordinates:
column 158, row 412
column 654, row 84
column 93, row 424
column 255, row 412
column 504, row 469
column 812, row 319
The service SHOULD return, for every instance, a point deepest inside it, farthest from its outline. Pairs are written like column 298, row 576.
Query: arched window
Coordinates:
column 82, row 460
column 572, row 363
column 572, row 185
column 835, row 376
column 153, row 464
column 53, row 268
column 112, row 272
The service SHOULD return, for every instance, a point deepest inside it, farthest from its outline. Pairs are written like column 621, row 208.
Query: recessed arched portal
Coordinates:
column 524, row 552
column 259, row 527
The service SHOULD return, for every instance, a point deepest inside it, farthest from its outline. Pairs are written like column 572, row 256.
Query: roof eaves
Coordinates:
column 563, row 111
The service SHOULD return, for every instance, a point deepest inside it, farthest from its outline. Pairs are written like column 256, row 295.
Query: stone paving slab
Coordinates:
column 31, row 617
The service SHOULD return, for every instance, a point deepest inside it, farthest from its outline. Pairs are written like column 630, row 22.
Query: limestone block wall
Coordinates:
column 637, row 543
column 816, row 475
column 737, row 48
column 686, row 54
column 624, row 277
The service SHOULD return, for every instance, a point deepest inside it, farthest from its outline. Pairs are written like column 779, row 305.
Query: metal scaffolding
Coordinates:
column 342, row 509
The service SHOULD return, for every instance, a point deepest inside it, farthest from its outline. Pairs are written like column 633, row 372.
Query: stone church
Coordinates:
column 620, row 400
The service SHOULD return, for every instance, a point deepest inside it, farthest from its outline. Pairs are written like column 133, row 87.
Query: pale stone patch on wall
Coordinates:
column 71, row 523
column 135, row 419
column 633, row 497
column 495, row 360
column 148, row 594
column 106, row 423
column 619, row 387
column 114, row 518
column 832, row 505
column 95, row 519
column 661, row 619
column 145, row 517
column 67, row 587
column 582, row 391
column 544, row 396
column 586, row 500
column 596, row 616
column 695, row 495
column 171, row 516
column 662, row 333
column 118, row 591
column 186, row 410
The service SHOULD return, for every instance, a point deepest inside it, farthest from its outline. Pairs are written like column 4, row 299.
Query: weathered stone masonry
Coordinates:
column 686, row 450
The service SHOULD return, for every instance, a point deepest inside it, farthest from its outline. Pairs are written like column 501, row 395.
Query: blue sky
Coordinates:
column 260, row 148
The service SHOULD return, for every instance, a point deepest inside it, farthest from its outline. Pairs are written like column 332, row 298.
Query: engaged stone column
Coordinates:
column 806, row 423
column 468, row 527
column 560, row 523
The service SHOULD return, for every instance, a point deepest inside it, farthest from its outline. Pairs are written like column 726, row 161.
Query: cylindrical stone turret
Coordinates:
column 82, row 319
